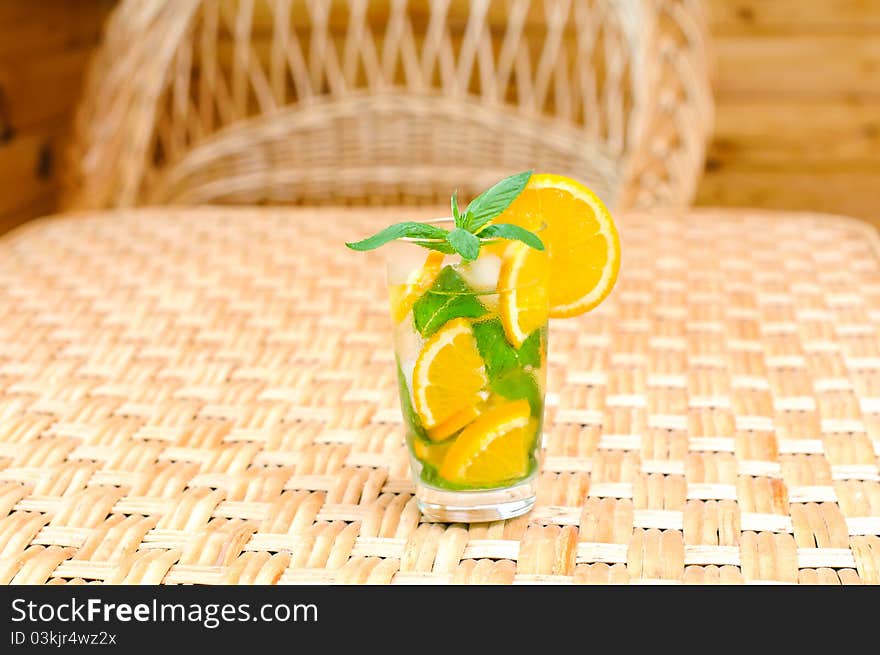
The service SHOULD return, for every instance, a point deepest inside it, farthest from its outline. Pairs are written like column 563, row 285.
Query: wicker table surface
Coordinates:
column 208, row 396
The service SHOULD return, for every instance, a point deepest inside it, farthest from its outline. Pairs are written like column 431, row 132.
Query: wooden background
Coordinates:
column 797, row 90
column 797, row 94
column 44, row 46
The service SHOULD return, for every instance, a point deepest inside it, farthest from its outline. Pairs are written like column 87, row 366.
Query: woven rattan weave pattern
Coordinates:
column 207, row 396
column 380, row 101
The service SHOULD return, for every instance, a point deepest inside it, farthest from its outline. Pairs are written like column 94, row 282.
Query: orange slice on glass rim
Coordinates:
column 582, row 243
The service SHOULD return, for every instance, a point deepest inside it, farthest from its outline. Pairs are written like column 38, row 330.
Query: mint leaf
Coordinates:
column 449, row 297
column 530, row 351
column 514, row 232
column 519, row 384
column 500, row 357
column 462, row 239
column 497, row 353
column 456, row 214
column 410, row 229
column 506, row 366
column 439, row 246
column 495, row 200
column 465, row 243
column 413, row 423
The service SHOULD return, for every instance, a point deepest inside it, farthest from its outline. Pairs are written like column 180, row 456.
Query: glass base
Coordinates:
column 476, row 506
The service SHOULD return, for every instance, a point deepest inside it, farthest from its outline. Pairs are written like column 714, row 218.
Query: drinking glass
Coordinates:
column 470, row 342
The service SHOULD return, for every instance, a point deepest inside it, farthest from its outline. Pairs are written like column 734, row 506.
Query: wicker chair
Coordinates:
column 390, row 101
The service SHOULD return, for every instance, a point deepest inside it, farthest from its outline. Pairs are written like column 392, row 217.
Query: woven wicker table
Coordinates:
column 207, row 396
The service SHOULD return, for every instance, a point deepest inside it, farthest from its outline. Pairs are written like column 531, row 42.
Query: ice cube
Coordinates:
column 482, row 275
column 405, row 263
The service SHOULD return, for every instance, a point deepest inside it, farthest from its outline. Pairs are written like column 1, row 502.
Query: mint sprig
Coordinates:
column 510, row 231
column 456, row 212
column 465, row 244
column 494, row 200
column 472, row 227
column 410, row 229
column 449, row 297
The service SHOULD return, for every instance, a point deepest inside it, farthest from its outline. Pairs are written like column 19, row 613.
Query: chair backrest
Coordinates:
column 390, row 101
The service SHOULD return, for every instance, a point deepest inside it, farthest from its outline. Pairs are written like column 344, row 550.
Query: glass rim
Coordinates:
column 450, row 219
column 415, row 241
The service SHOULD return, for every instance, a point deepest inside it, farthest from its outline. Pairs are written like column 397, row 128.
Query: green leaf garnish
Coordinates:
column 471, row 227
column 495, row 200
column 449, row 297
column 410, row 229
column 456, row 212
column 466, row 244
column 530, row 351
column 519, row 384
column 413, row 423
column 512, row 232
column 506, row 366
column 499, row 355
column 439, row 246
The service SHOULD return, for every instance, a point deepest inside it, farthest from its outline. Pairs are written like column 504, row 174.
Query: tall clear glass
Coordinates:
column 470, row 340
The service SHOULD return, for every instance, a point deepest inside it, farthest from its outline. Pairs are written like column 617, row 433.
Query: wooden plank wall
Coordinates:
column 797, row 89
column 797, row 106
column 44, row 45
